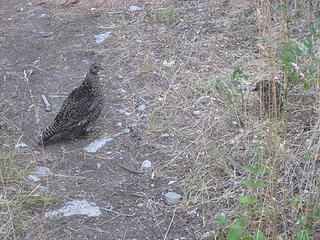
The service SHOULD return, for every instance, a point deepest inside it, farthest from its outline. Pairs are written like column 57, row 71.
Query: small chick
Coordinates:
column 264, row 91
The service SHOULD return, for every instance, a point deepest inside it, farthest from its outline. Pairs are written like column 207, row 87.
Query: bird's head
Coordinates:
column 95, row 68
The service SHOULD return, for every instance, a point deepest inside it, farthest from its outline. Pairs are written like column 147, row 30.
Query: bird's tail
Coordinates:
column 48, row 133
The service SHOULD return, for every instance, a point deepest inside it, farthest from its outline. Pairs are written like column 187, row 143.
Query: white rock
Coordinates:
column 120, row 91
column 125, row 112
column 171, row 182
column 119, row 124
column 20, row 145
column 141, row 108
column 134, row 8
column 97, row 144
column 169, row 63
column 146, row 165
column 208, row 235
column 197, row 113
column 193, row 212
column 172, row 198
column 100, row 38
column 32, row 178
column 165, row 135
column 43, row 171
column 76, row 207
column 127, row 130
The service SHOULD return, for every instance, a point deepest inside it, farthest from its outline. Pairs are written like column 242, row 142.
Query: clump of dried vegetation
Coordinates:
column 275, row 192
column 255, row 175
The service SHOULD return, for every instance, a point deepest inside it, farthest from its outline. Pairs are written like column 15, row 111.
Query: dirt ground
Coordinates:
column 160, row 61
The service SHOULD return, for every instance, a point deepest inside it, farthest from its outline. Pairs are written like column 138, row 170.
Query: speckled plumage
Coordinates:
column 83, row 105
column 264, row 91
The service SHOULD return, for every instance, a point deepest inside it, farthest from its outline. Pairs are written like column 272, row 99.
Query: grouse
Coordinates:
column 264, row 90
column 83, row 105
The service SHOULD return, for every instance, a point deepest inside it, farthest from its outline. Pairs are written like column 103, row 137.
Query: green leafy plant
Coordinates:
column 232, row 93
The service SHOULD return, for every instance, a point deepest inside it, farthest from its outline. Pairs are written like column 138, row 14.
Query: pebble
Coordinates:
column 43, row 171
column 134, row 8
column 20, row 145
column 45, row 34
column 32, row 178
column 76, row 207
column 172, row 198
column 100, row 38
column 208, row 235
column 29, row 72
column 197, row 113
column 193, row 212
column 119, row 124
column 98, row 165
column 124, row 111
column 171, row 182
column 146, row 165
column 127, row 130
column 143, row 122
column 97, row 144
column 166, row 135
column 168, row 63
column 36, row 152
column 121, row 91
column 141, row 109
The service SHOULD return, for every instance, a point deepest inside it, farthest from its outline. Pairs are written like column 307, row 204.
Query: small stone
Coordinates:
column 172, row 198
column 29, row 72
column 125, row 112
column 146, row 165
column 208, row 235
column 197, row 113
column 20, row 145
column 140, row 205
column 143, row 124
column 193, row 212
column 100, row 38
column 97, row 144
column 141, row 109
column 98, row 165
column 127, row 130
column 134, row 8
column 42, row 189
column 235, row 123
column 119, row 124
column 236, row 184
column 43, row 171
column 168, row 64
column 165, row 135
column 32, row 178
column 171, row 182
column 45, row 34
column 120, row 90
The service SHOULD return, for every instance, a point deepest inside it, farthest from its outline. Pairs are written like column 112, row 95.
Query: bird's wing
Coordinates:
column 76, row 109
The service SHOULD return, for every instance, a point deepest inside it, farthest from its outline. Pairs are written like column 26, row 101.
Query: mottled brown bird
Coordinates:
column 264, row 91
column 83, row 105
